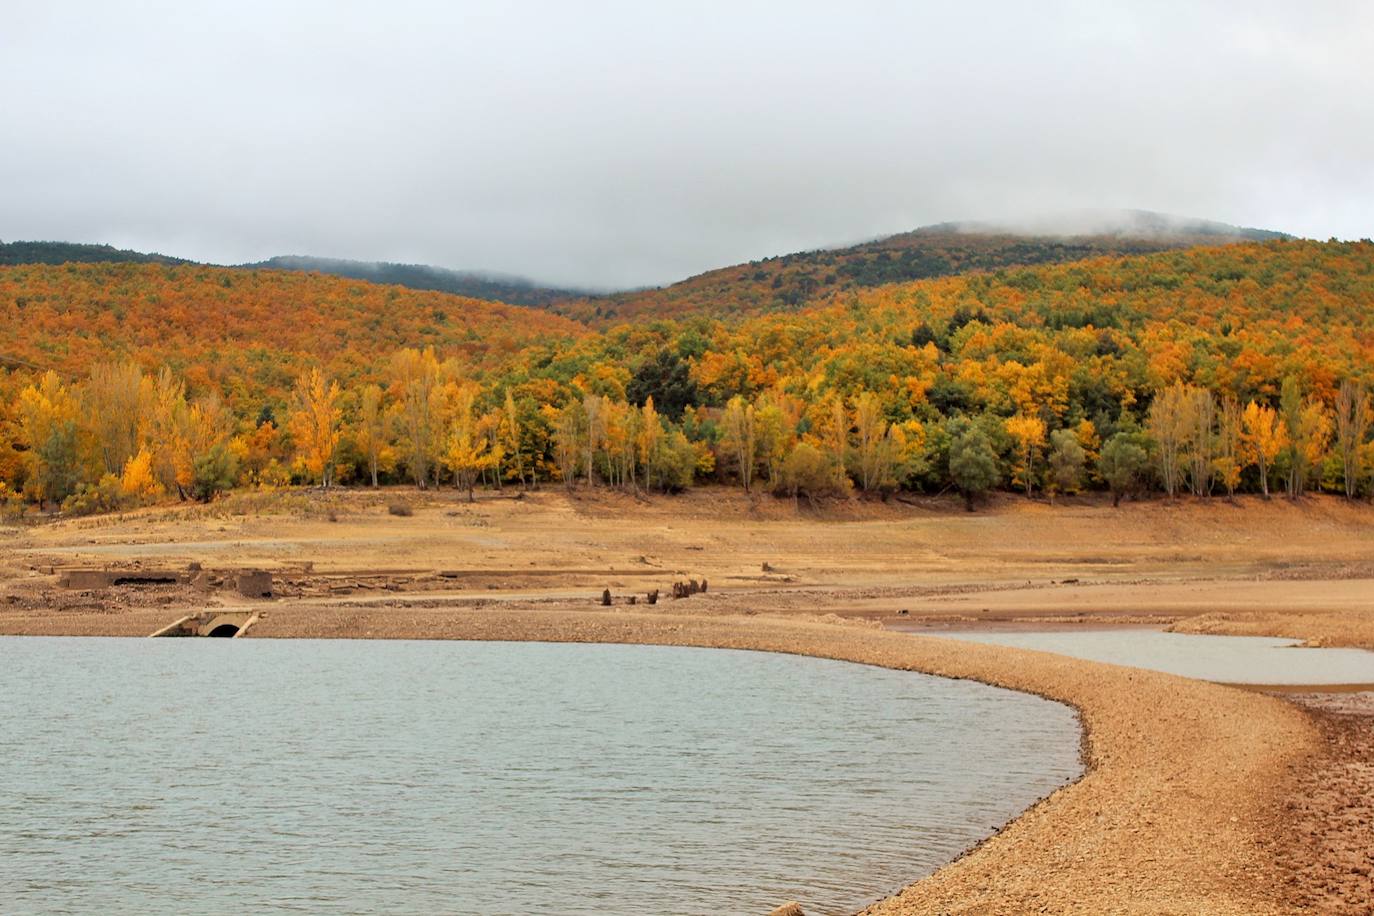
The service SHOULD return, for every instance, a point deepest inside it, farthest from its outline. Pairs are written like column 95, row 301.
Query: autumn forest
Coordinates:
column 1206, row 371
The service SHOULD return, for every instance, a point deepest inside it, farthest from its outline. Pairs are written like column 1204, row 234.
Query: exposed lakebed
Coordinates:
column 360, row 776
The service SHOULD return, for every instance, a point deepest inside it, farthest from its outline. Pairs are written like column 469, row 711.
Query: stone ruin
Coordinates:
column 689, row 588
column 250, row 583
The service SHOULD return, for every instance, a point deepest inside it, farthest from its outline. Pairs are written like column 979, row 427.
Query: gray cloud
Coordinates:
column 616, row 144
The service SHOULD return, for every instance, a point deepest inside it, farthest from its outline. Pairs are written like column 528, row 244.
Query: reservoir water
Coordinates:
column 251, row 776
column 1228, row 659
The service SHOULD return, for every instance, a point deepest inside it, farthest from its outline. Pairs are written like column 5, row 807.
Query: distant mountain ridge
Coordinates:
column 1144, row 225
column 474, row 284
column 77, row 252
column 788, row 282
column 780, row 283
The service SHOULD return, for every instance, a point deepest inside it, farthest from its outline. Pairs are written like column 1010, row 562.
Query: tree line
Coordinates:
column 121, row 437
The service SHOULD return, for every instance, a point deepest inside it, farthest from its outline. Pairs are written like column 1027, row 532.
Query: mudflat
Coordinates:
column 1197, row 798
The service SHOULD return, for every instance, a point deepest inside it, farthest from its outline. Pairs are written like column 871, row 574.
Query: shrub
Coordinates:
column 11, row 504
column 89, row 499
column 810, row 472
column 215, row 472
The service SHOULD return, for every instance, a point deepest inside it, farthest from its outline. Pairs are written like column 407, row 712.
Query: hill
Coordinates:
column 788, row 282
column 471, row 283
column 245, row 332
column 1083, row 340
column 74, row 252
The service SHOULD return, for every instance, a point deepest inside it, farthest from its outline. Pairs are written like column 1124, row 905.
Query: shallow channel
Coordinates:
column 1228, row 659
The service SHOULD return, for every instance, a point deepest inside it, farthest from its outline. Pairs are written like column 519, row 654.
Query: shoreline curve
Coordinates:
column 1173, row 813
column 1175, row 810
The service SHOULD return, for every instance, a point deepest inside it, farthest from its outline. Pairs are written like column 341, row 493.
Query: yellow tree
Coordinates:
column 166, row 433
column 116, row 398
column 510, row 436
column 371, row 433
column 1199, row 419
column 875, row 452
column 621, row 428
column 258, row 453
column 415, row 381
column 490, row 427
column 777, row 434
column 1262, row 437
column 1028, row 433
column 1308, row 429
column 1227, row 463
column 137, row 480
column 1169, row 424
column 209, row 465
column 909, row 449
column 314, row 423
column 739, row 437
column 649, row 438
column 569, row 432
column 466, row 451
column 829, row 422
column 1089, row 441
column 11, row 458
column 593, row 431
column 776, row 416
column 49, row 423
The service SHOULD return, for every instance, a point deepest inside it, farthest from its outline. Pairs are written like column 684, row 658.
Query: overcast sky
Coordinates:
column 611, row 144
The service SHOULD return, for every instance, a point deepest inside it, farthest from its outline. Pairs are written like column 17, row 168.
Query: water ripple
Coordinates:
column 357, row 777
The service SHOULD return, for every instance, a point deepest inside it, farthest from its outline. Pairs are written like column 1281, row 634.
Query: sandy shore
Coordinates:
column 1199, row 798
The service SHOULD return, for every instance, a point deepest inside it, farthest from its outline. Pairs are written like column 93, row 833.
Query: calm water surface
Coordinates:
column 1229, row 659
column 245, row 776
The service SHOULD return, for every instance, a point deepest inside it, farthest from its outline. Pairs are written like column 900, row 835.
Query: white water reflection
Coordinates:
column 1229, row 659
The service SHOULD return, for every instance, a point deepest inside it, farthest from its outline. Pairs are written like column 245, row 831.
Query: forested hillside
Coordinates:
column 64, row 252
column 1212, row 370
column 244, row 334
column 474, row 284
column 787, row 282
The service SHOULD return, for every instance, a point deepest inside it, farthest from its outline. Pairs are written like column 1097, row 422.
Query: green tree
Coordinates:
column 1066, row 462
column 215, row 471
column 57, row 463
column 1123, row 464
column 666, row 378
column 1353, row 417
column 973, row 464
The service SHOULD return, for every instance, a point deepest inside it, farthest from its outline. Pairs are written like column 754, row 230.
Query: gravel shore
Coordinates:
column 1178, row 812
